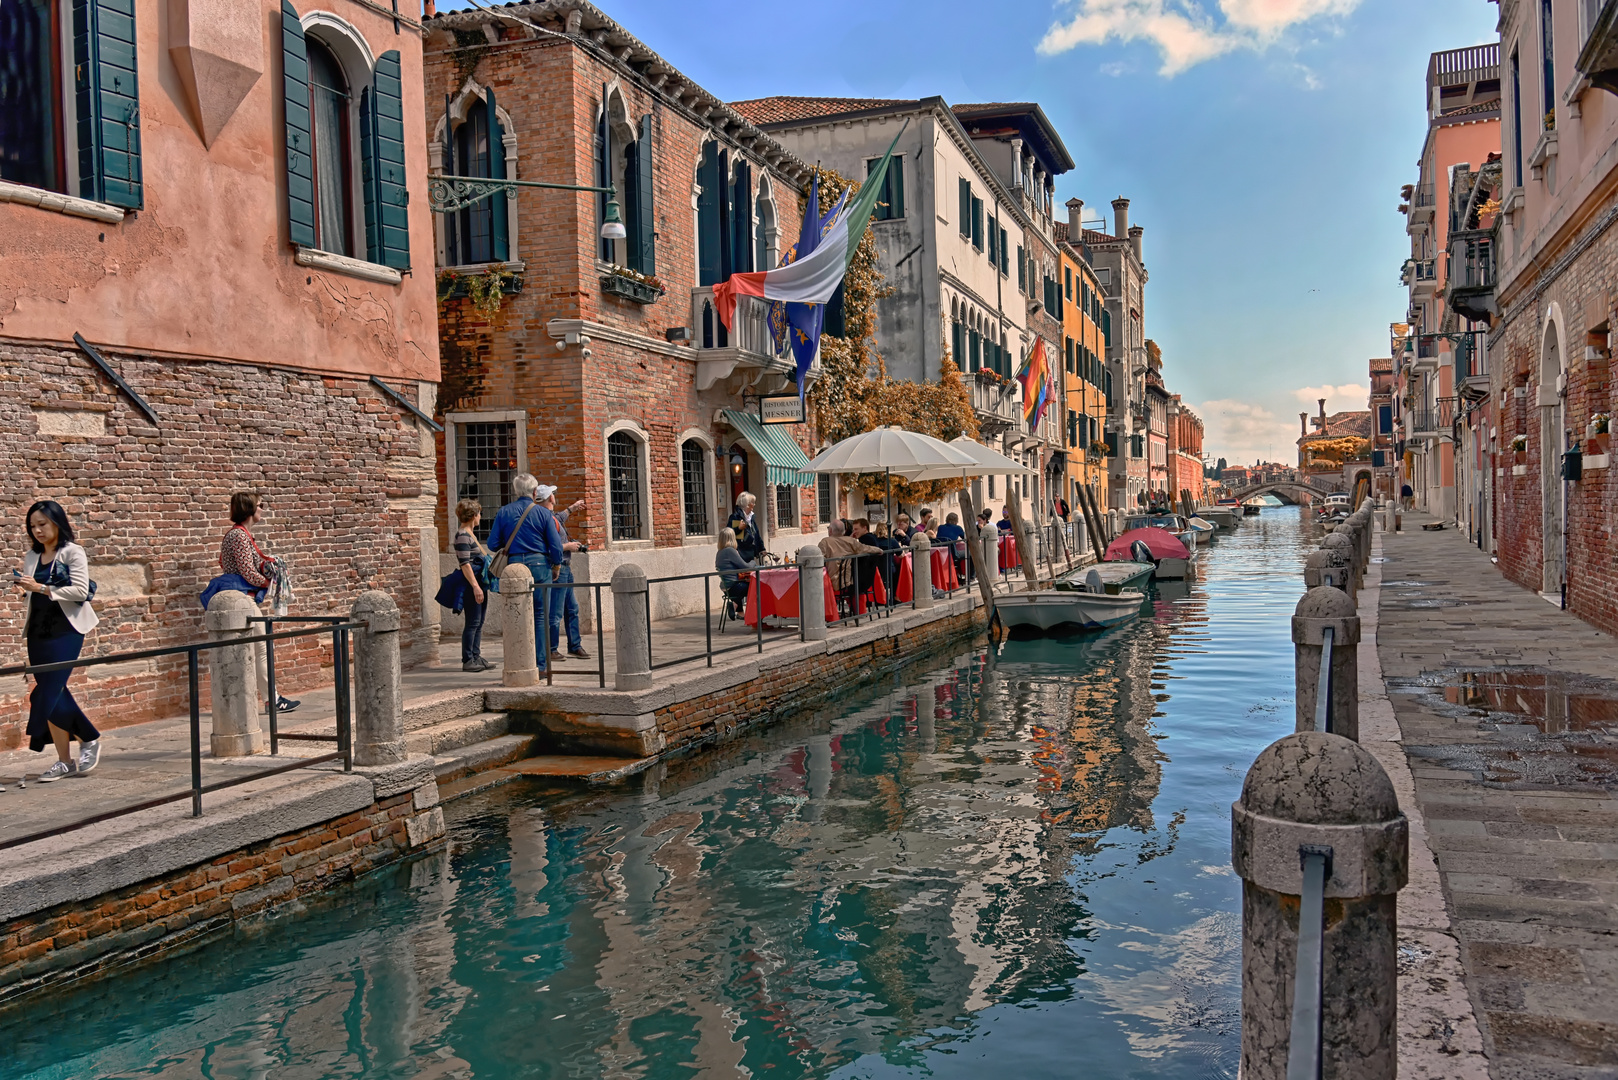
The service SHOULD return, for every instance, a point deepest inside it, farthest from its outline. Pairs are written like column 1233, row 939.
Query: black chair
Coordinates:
column 734, row 604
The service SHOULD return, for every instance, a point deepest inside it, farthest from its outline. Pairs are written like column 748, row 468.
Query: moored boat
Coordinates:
column 1170, row 556
column 1115, row 576
column 1050, row 609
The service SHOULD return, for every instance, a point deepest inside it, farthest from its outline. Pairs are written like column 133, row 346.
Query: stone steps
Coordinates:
column 432, row 709
column 447, row 736
column 481, row 756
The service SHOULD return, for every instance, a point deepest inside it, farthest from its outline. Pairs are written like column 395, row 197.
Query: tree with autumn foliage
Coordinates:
column 1334, row 452
column 855, row 394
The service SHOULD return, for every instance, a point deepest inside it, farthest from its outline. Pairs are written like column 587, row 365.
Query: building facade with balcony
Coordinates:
column 1084, row 363
column 1462, row 100
column 1550, row 347
column 1384, row 443
column 205, row 287
column 1469, row 307
column 1120, row 271
column 598, row 364
column 968, row 251
column 1185, row 449
column 1160, row 474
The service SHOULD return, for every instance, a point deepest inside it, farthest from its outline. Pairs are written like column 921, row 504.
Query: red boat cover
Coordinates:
column 1160, row 542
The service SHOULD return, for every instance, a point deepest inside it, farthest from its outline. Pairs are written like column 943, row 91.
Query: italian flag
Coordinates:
column 815, row 277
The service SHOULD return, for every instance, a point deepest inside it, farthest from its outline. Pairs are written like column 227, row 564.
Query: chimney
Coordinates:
column 1303, row 422
column 1120, row 216
column 1075, row 221
column 1135, row 232
column 429, row 10
column 1322, row 413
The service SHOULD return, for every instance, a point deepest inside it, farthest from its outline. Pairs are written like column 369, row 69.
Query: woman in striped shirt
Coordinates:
column 240, row 554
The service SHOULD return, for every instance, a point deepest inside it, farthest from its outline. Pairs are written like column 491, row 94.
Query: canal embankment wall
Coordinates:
column 85, row 903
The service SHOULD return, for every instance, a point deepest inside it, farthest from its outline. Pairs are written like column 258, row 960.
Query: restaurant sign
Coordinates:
column 781, row 409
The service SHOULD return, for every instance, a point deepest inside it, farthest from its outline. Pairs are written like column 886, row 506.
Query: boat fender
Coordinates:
column 1141, row 553
column 1093, row 582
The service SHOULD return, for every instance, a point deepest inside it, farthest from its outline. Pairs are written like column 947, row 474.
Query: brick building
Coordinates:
column 1086, row 381
column 601, row 366
column 208, row 290
column 1554, row 256
column 1185, row 449
column 1159, row 474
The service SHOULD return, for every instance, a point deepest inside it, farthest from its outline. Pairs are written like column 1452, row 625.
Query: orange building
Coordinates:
column 1185, row 449
column 1084, row 366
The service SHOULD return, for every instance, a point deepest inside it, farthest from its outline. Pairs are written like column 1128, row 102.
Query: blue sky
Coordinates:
column 1262, row 144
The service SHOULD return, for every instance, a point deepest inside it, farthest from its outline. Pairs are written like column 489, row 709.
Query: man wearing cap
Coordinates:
column 536, row 542
column 564, row 605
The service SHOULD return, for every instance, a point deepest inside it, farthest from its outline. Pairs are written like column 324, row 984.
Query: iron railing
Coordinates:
column 545, row 589
column 1323, row 688
column 192, row 652
column 1304, row 1049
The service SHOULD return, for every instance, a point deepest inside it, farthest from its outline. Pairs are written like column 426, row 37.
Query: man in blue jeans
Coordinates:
column 564, row 605
column 537, row 544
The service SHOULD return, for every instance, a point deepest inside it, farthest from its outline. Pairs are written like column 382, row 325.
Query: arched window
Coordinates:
column 724, row 215
column 329, row 107
column 625, row 161
column 626, row 485
column 694, row 470
column 477, row 234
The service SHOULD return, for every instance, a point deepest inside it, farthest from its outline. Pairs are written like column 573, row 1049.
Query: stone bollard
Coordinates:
column 1316, row 793
column 232, row 678
column 630, row 634
column 521, row 664
column 812, row 592
column 989, row 539
column 378, row 681
column 1320, row 609
column 1342, row 553
column 921, row 570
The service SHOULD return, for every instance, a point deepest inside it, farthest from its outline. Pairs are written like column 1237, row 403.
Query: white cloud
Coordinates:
column 1242, row 432
column 1183, row 32
column 1345, row 398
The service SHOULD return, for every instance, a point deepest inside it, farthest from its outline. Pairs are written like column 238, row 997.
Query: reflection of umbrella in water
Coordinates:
column 1160, row 542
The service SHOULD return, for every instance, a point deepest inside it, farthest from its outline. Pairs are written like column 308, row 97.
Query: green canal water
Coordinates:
column 1008, row 864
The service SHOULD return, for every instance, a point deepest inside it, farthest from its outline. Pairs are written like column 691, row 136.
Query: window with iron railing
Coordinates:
column 485, row 462
column 823, row 498
column 786, row 506
column 624, row 483
column 694, row 477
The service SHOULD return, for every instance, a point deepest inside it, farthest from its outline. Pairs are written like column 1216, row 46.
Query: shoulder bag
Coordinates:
column 497, row 564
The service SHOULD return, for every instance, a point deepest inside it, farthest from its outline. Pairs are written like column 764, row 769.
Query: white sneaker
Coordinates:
column 56, row 772
column 89, row 755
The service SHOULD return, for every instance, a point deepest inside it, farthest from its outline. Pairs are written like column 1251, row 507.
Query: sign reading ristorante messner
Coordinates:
column 781, row 409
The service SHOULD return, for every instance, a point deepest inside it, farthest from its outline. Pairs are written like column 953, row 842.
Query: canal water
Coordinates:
column 1010, row 863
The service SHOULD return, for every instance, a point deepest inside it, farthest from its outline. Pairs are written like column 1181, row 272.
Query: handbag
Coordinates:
column 58, row 577
column 497, row 565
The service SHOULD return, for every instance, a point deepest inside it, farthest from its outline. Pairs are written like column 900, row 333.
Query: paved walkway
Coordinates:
column 1509, row 720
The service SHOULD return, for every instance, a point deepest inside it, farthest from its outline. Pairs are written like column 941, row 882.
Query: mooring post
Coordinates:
column 1321, row 611
column 1322, row 850
column 812, row 592
column 631, row 634
column 232, row 678
column 520, row 666
column 989, row 540
column 921, row 569
column 378, row 681
column 1341, row 550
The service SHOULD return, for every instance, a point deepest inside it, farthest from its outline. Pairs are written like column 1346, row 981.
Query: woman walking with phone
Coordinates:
column 57, row 574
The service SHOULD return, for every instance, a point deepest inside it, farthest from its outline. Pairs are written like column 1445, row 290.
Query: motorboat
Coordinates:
column 1088, row 606
column 1204, row 528
column 1251, row 509
column 1225, row 517
column 1170, row 556
column 1172, row 523
column 1115, row 577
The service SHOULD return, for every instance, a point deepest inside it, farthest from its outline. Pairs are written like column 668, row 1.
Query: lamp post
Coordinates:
column 447, row 194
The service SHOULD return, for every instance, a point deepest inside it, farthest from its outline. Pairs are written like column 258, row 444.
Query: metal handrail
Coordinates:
column 709, row 652
column 1323, row 687
column 595, row 588
column 344, row 702
column 1304, row 1049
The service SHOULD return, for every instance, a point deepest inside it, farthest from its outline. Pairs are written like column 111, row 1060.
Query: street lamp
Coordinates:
column 612, row 226
column 447, row 194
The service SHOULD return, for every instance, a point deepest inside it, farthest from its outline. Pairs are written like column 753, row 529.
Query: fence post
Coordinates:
column 520, row 666
column 632, row 640
column 378, row 681
column 1341, row 550
column 1310, row 794
column 812, row 593
column 1319, row 610
column 233, row 682
column 921, row 570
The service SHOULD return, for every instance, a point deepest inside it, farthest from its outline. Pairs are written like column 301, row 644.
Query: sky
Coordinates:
column 1262, row 145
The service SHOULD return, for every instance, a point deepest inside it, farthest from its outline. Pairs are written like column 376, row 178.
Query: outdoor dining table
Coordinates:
column 780, row 599
column 943, row 573
column 1010, row 558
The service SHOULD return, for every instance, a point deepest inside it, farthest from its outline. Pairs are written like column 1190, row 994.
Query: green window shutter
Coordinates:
column 977, row 223
column 896, row 187
column 1067, row 282
column 382, row 167
column 1022, row 269
column 498, row 204
column 966, row 209
column 107, row 102
column 1005, row 258
column 992, row 237
column 741, row 219
column 642, row 223
column 976, row 351
column 1106, row 328
column 300, row 143
column 708, row 230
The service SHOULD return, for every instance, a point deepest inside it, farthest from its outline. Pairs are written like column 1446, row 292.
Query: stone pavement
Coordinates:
column 1509, row 720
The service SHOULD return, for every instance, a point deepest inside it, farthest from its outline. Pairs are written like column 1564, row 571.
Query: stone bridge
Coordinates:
column 1294, row 490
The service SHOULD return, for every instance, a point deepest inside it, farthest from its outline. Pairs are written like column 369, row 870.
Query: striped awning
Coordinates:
column 785, row 462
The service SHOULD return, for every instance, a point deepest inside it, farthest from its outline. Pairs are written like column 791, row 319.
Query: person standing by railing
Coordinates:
column 528, row 533
column 56, row 572
column 565, row 606
column 472, row 561
column 245, row 567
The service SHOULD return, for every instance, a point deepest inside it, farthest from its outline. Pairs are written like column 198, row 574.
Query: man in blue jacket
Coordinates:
column 536, row 542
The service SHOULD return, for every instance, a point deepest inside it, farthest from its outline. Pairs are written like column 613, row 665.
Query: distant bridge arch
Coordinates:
column 1308, row 489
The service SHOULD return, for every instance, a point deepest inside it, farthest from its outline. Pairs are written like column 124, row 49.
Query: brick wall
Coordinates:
column 84, row 940
column 1585, row 296
column 346, row 473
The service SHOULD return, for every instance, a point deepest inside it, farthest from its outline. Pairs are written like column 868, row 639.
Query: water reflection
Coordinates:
column 1008, row 863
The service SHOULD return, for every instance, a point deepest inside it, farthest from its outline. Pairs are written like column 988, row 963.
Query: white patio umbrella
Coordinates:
column 985, row 462
column 892, row 450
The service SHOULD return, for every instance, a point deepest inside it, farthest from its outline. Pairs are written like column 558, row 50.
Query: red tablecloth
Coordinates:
column 1009, row 558
column 943, row 573
column 781, row 595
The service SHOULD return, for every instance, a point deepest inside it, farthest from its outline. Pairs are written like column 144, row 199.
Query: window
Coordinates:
column 1022, row 271
column 89, row 146
column 1069, row 350
column 1516, row 115
column 786, row 506
column 1106, row 328
column 1005, row 257
column 976, row 351
column 1548, row 51
column 994, row 239
column 977, row 223
column 966, row 208
column 825, row 500
column 624, row 161
column 485, row 462
column 624, row 483
column 1067, row 282
column 328, row 121
column 694, row 478
column 890, row 204
column 724, row 214
column 957, row 341
column 1104, row 275
column 477, row 234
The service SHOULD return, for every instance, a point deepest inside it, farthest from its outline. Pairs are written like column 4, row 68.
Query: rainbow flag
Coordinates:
column 1038, row 384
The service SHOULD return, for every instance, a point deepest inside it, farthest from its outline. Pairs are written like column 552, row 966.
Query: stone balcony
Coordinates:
column 748, row 348
column 998, row 405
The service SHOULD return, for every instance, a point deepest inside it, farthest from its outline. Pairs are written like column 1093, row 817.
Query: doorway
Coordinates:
column 1554, row 505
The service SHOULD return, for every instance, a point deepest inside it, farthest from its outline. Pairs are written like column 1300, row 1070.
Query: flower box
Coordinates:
column 1519, row 457
column 629, row 289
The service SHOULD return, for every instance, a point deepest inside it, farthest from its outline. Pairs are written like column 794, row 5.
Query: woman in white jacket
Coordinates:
column 57, row 573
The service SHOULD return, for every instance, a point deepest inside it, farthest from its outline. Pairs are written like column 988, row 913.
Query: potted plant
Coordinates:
column 632, row 285
column 1597, row 433
column 1519, row 449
